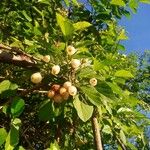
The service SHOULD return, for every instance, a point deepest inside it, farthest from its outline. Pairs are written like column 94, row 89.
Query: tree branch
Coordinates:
column 15, row 56
column 96, row 132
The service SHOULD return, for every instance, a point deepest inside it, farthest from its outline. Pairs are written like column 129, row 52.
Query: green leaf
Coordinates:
column 17, row 106
column 4, row 85
column 84, row 111
column 115, row 88
column 118, row 2
column 123, row 137
column 98, row 65
column 46, row 111
column 54, row 146
column 133, row 5
column 107, row 129
column 26, row 15
column 3, row 135
column 124, row 74
column 145, row 1
column 7, row 85
column 92, row 94
column 122, row 35
column 86, row 72
column 65, row 25
column 20, row 148
column 81, row 25
column 13, row 136
column 66, row 2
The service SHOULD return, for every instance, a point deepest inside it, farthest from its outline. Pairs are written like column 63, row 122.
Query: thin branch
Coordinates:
column 121, row 144
column 33, row 91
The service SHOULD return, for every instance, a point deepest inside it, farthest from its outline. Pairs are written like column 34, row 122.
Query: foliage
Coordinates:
column 31, row 119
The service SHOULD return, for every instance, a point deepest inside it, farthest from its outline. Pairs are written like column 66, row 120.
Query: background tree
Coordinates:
column 62, row 76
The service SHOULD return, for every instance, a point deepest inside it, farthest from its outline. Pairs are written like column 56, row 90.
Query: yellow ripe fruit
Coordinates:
column 72, row 90
column 36, row 78
column 70, row 50
column 51, row 94
column 93, row 82
column 57, row 98
column 67, row 84
column 62, row 90
column 65, row 95
column 75, row 63
column 55, row 69
column 46, row 58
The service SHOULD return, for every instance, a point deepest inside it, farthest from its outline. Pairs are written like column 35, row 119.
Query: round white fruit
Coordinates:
column 72, row 90
column 75, row 63
column 67, row 84
column 46, row 58
column 55, row 69
column 36, row 77
column 71, row 50
column 93, row 81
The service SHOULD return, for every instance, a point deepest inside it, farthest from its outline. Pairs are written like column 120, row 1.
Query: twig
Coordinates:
column 121, row 143
column 96, row 132
column 33, row 91
column 28, row 143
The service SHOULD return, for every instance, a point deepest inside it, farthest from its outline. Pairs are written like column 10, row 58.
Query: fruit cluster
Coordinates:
column 57, row 92
column 61, row 93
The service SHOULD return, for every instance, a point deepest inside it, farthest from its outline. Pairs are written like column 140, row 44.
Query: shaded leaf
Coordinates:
column 13, row 136
column 46, row 111
column 17, row 106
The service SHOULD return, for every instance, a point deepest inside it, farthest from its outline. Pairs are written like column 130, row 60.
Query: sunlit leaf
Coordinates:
column 84, row 111
column 81, row 25
column 118, row 2
column 3, row 135
column 65, row 25
column 124, row 74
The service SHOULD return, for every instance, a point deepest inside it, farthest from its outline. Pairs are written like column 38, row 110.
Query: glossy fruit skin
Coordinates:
column 75, row 63
column 51, row 94
column 62, row 90
column 67, row 84
column 72, row 90
column 55, row 87
column 93, row 81
column 46, row 58
column 70, row 50
column 36, row 78
column 55, row 69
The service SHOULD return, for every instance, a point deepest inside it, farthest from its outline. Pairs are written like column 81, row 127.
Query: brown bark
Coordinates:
column 17, row 57
column 96, row 132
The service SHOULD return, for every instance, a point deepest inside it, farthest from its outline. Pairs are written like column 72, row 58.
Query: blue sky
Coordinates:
column 138, row 29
